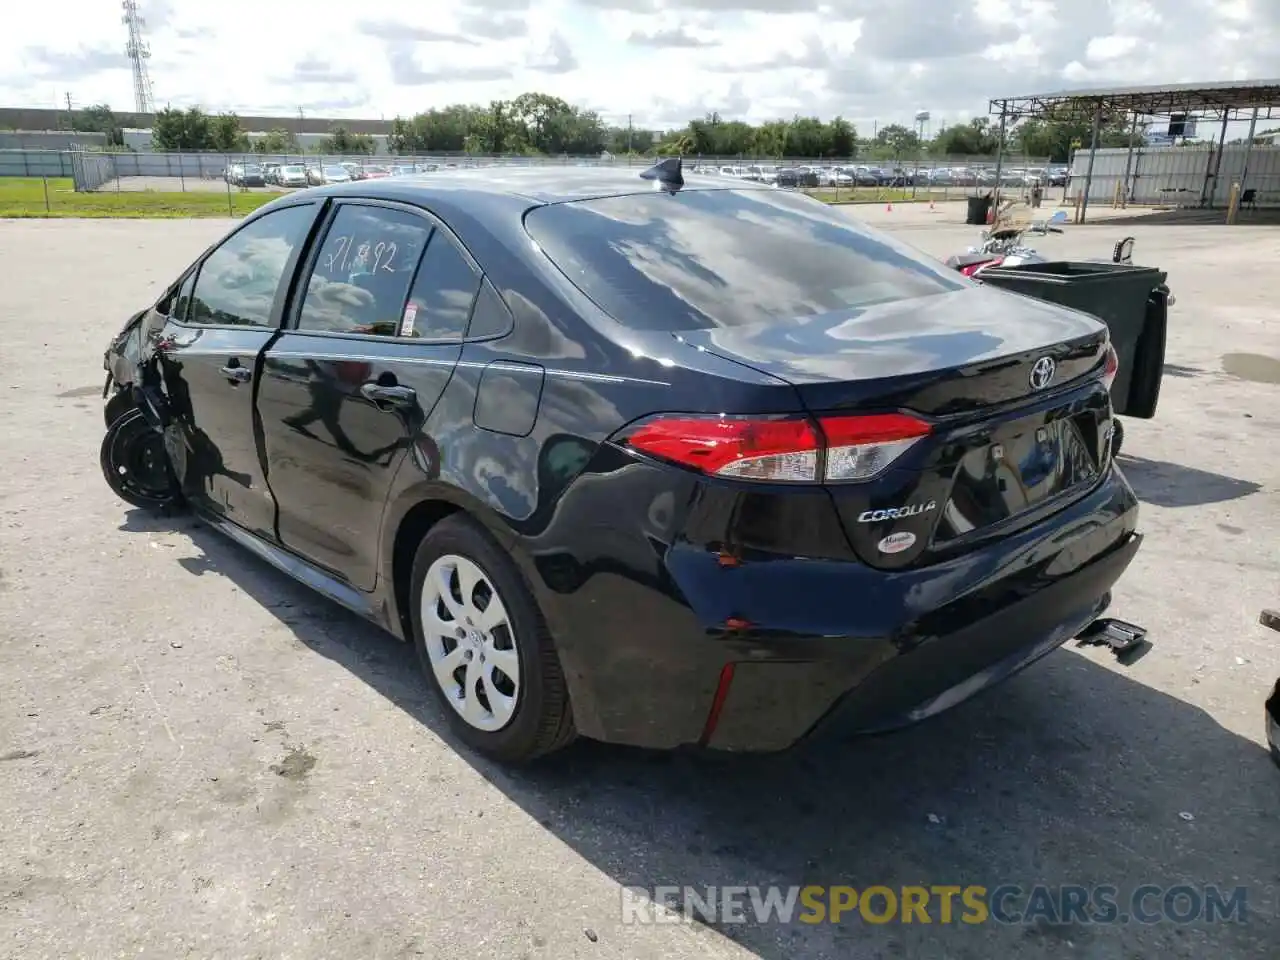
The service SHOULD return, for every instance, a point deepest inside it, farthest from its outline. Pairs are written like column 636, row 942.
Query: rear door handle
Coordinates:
column 236, row 373
column 390, row 395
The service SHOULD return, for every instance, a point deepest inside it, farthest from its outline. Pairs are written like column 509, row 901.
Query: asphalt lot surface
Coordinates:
column 199, row 758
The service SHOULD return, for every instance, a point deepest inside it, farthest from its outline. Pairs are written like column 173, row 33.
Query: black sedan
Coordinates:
column 650, row 461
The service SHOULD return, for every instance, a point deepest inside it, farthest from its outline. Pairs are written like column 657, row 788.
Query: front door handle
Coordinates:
column 236, row 373
column 390, row 395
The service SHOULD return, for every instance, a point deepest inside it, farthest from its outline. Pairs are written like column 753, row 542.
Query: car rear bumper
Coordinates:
column 786, row 647
column 921, row 681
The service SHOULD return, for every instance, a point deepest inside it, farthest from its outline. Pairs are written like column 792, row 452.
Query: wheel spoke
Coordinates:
column 506, row 661
column 445, row 667
column 501, row 704
column 469, row 577
column 494, row 615
column 472, row 709
column 444, row 588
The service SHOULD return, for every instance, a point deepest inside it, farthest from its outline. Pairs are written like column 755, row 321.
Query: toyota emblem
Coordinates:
column 1042, row 372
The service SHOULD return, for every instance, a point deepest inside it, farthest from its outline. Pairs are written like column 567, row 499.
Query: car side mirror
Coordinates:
column 1123, row 252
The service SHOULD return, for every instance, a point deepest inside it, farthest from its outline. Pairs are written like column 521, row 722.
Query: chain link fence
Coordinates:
column 231, row 184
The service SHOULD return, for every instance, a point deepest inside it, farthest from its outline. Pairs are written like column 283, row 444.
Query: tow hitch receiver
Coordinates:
column 1126, row 640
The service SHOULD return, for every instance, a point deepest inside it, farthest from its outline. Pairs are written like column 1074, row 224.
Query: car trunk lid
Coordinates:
column 1020, row 420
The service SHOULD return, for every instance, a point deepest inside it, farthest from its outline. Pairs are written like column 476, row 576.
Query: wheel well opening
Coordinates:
column 415, row 525
column 118, row 405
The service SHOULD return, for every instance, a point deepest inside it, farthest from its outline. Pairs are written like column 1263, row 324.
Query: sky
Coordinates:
column 655, row 62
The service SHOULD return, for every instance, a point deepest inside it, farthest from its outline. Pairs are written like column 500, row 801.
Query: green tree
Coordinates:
column 99, row 119
column 342, row 141
column 277, row 140
column 619, row 140
column 897, row 142
column 226, row 135
column 977, row 138
column 1056, row 140
column 175, row 129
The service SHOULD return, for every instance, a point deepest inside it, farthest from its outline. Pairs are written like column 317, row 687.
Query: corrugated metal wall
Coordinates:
column 1176, row 175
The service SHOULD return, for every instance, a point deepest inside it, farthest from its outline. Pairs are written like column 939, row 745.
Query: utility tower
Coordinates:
column 139, row 53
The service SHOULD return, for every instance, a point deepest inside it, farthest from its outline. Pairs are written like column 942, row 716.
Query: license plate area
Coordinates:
column 1022, row 469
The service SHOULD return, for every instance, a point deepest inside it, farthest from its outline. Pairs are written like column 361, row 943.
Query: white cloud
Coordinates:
column 659, row 61
column 1110, row 48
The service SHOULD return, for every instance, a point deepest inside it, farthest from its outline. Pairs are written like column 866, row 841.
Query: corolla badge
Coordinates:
column 1042, row 372
column 896, row 513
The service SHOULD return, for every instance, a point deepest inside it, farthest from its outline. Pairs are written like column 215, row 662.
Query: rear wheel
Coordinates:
column 135, row 464
column 484, row 646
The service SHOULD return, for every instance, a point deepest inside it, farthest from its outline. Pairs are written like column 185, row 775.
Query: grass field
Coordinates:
column 56, row 197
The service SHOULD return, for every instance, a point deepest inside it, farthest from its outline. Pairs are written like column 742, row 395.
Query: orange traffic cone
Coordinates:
column 931, row 207
column 888, row 207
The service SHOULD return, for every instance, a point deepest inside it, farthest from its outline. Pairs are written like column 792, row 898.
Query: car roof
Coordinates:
column 533, row 184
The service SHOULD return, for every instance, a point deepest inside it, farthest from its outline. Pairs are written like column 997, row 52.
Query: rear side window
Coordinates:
column 443, row 292
column 726, row 258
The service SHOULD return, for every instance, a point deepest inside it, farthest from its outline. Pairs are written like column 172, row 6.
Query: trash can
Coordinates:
column 1121, row 295
column 978, row 208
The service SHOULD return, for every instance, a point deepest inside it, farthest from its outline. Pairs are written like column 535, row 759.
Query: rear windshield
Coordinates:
column 726, row 258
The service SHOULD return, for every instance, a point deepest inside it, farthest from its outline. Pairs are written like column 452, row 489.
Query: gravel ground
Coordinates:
column 200, row 759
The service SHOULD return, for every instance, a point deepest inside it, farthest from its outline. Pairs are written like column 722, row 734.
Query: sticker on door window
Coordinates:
column 410, row 314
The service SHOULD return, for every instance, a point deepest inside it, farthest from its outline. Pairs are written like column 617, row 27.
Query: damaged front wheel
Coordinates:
column 135, row 464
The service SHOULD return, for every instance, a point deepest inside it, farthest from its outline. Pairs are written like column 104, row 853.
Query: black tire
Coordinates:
column 542, row 721
column 136, row 467
column 1117, row 436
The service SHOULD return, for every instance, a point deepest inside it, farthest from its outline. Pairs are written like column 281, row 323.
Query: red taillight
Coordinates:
column 971, row 269
column 779, row 449
column 860, row 447
column 1112, row 367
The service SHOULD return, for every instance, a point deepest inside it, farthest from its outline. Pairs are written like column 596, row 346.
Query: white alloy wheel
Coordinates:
column 470, row 642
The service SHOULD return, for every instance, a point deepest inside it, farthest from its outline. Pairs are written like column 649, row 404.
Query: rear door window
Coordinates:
column 727, row 258
column 361, row 276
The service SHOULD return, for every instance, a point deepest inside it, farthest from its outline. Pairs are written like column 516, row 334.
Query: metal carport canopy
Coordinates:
column 1225, row 101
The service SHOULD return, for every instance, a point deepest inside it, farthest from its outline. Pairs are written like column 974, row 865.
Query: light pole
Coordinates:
column 922, row 121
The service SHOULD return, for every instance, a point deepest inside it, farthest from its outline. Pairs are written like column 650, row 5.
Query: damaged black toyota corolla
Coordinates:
column 651, row 461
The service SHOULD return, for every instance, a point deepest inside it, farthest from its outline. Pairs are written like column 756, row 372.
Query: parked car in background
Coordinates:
column 375, row 172
column 709, row 465
column 354, row 170
column 271, row 171
column 329, row 173
column 251, row 175
column 292, row 175
column 797, row 177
